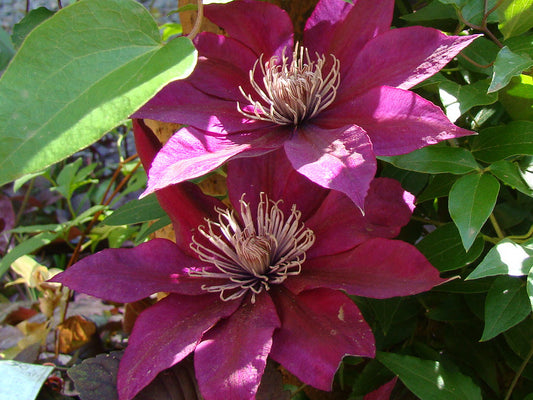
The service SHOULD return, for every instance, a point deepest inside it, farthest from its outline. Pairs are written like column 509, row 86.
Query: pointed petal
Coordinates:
column 318, row 328
column 340, row 159
column 223, row 65
column 342, row 29
column 127, row 275
column 378, row 268
column 164, row 334
column 262, row 174
column 263, row 27
column 339, row 225
column 185, row 203
column 401, row 58
column 396, row 120
column 383, row 392
column 231, row 358
column 191, row 153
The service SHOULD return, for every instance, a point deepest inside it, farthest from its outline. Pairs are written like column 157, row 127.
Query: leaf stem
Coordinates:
column 198, row 22
column 519, row 373
column 496, row 226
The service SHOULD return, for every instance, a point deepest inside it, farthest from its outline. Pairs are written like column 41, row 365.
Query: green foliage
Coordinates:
column 60, row 96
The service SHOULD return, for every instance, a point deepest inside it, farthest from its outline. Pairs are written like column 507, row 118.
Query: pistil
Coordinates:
column 252, row 254
column 293, row 91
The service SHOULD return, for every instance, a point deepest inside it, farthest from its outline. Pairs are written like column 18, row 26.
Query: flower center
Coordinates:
column 293, row 91
column 255, row 254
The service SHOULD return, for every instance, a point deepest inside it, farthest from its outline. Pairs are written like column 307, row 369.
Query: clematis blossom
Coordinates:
column 333, row 102
column 268, row 277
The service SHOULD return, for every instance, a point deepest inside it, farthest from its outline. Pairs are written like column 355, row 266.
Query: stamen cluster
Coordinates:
column 252, row 255
column 294, row 90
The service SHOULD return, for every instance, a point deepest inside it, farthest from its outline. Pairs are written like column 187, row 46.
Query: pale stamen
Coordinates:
column 293, row 92
column 252, row 255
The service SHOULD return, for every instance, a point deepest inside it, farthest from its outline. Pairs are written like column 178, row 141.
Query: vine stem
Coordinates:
column 198, row 22
column 518, row 374
column 496, row 227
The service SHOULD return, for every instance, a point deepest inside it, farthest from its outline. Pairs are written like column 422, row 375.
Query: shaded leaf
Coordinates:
column 28, row 23
column 436, row 160
column 506, row 305
column 506, row 258
column 511, row 174
column 482, row 51
column 429, row 379
column 471, row 202
column 434, row 10
column 107, row 62
column 145, row 209
column 439, row 186
column 6, row 49
column 497, row 143
column 507, row 65
column 444, row 249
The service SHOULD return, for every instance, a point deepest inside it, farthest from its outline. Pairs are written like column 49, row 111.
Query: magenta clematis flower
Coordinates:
column 267, row 278
column 333, row 102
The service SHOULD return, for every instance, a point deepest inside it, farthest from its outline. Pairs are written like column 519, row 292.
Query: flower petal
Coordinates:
column 164, row 334
column 401, row 58
column 338, row 28
column 231, row 358
column 378, row 268
column 339, row 225
column 180, row 102
column 318, row 328
column 191, row 153
column 396, row 120
column 262, row 174
column 263, row 27
column 383, row 392
column 340, row 159
column 127, row 275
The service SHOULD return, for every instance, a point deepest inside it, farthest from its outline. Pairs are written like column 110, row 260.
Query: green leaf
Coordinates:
column 145, row 209
column 26, row 247
column 520, row 44
column 436, row 160
column 481, row 51
column 28, row 23
column 506, row 305
column 506, row 258
column 429, row 379
column 439, row 186
column 148, row 229
column 433, row 11
column 471, row 201
column 444, row 250
column 516, row 17
column 511, row 174
column 62, row 93
column 507, row 65
column 458, row 99
column 517, row 98
column 497, row 143
column 6, row 49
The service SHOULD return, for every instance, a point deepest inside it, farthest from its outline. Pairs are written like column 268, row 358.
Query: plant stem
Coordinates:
column 496, row 226
column 519, row 373
column 198, row 22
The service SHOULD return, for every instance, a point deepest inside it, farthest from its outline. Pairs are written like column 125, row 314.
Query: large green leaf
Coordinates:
column 517, row 98
column 507, row 65
column 444, row 249
column 77, row 75
column 506, row 258
column 506, row 305
column 500, row 142
column 516, row 17
column 430, row 379
column 436, row 160
column 6, row 49
column 471, row 202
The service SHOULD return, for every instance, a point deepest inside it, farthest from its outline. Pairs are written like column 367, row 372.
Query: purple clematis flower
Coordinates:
column 333, row 102
column 267, row 278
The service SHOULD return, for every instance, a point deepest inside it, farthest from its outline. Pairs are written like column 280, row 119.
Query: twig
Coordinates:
column 496, row 226
column 476, row 63
column 518, row 374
